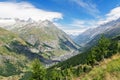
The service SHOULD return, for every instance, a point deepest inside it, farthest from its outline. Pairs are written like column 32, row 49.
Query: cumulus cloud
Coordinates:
column 24, row 10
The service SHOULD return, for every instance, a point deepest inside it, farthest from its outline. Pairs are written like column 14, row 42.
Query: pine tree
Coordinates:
column 103, row 45
column 38, row 71
column 92, row 56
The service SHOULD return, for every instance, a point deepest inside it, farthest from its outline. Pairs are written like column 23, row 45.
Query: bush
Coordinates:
column 87, row 68
column 38, row 71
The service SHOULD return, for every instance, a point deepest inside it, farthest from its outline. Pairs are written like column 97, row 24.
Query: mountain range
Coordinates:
column 111, row 28
column 43, row 37
column 22, row 41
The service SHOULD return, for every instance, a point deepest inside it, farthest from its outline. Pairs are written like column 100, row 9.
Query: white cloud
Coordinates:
column 24, row 10
column 83, row 23
column 112, row 15
column 75, row 31
column 78, row 26
column 88, row 6
column 77, row 23
column 86, row 24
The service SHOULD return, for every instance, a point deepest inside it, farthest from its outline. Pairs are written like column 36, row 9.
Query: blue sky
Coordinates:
column 75, row 16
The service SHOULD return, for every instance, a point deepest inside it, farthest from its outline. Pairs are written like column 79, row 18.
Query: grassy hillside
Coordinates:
column 101, row 62
column 98, row 63
column 107, row 70
column 82, row 58
column 11, row 63
column 15, row 55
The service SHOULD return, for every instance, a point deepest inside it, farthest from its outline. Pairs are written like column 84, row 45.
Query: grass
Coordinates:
column 107, row 70
column 11, row 63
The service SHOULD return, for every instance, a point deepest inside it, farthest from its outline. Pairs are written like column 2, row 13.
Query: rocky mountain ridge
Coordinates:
column 90, row 34
column 43, row 36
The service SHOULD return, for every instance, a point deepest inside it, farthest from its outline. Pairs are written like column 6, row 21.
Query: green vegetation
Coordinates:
column 38, row 71
column 11, row 63
column 47, row 38
column 107, row 71
column 83, row 64
column 104, row 49
column 14, row 56
column 9, row 68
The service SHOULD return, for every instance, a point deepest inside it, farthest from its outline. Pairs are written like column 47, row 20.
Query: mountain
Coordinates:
column 90, row 34
column 101, row 60
column 72, row 36
column 47, row 40
column 105, row 71
column 11, row 61
column 11, row 45
column 24, row 41
column 16, row 55
column 111, row 32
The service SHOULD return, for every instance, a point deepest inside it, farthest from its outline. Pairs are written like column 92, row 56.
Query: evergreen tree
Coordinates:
column 113, row 47
column 91, row 59
column 38, row 71
column 79, row 70
column 54, row 75
column 103, row 45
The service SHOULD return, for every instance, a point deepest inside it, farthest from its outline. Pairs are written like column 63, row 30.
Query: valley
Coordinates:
column 59, row 40
column 33, row 41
